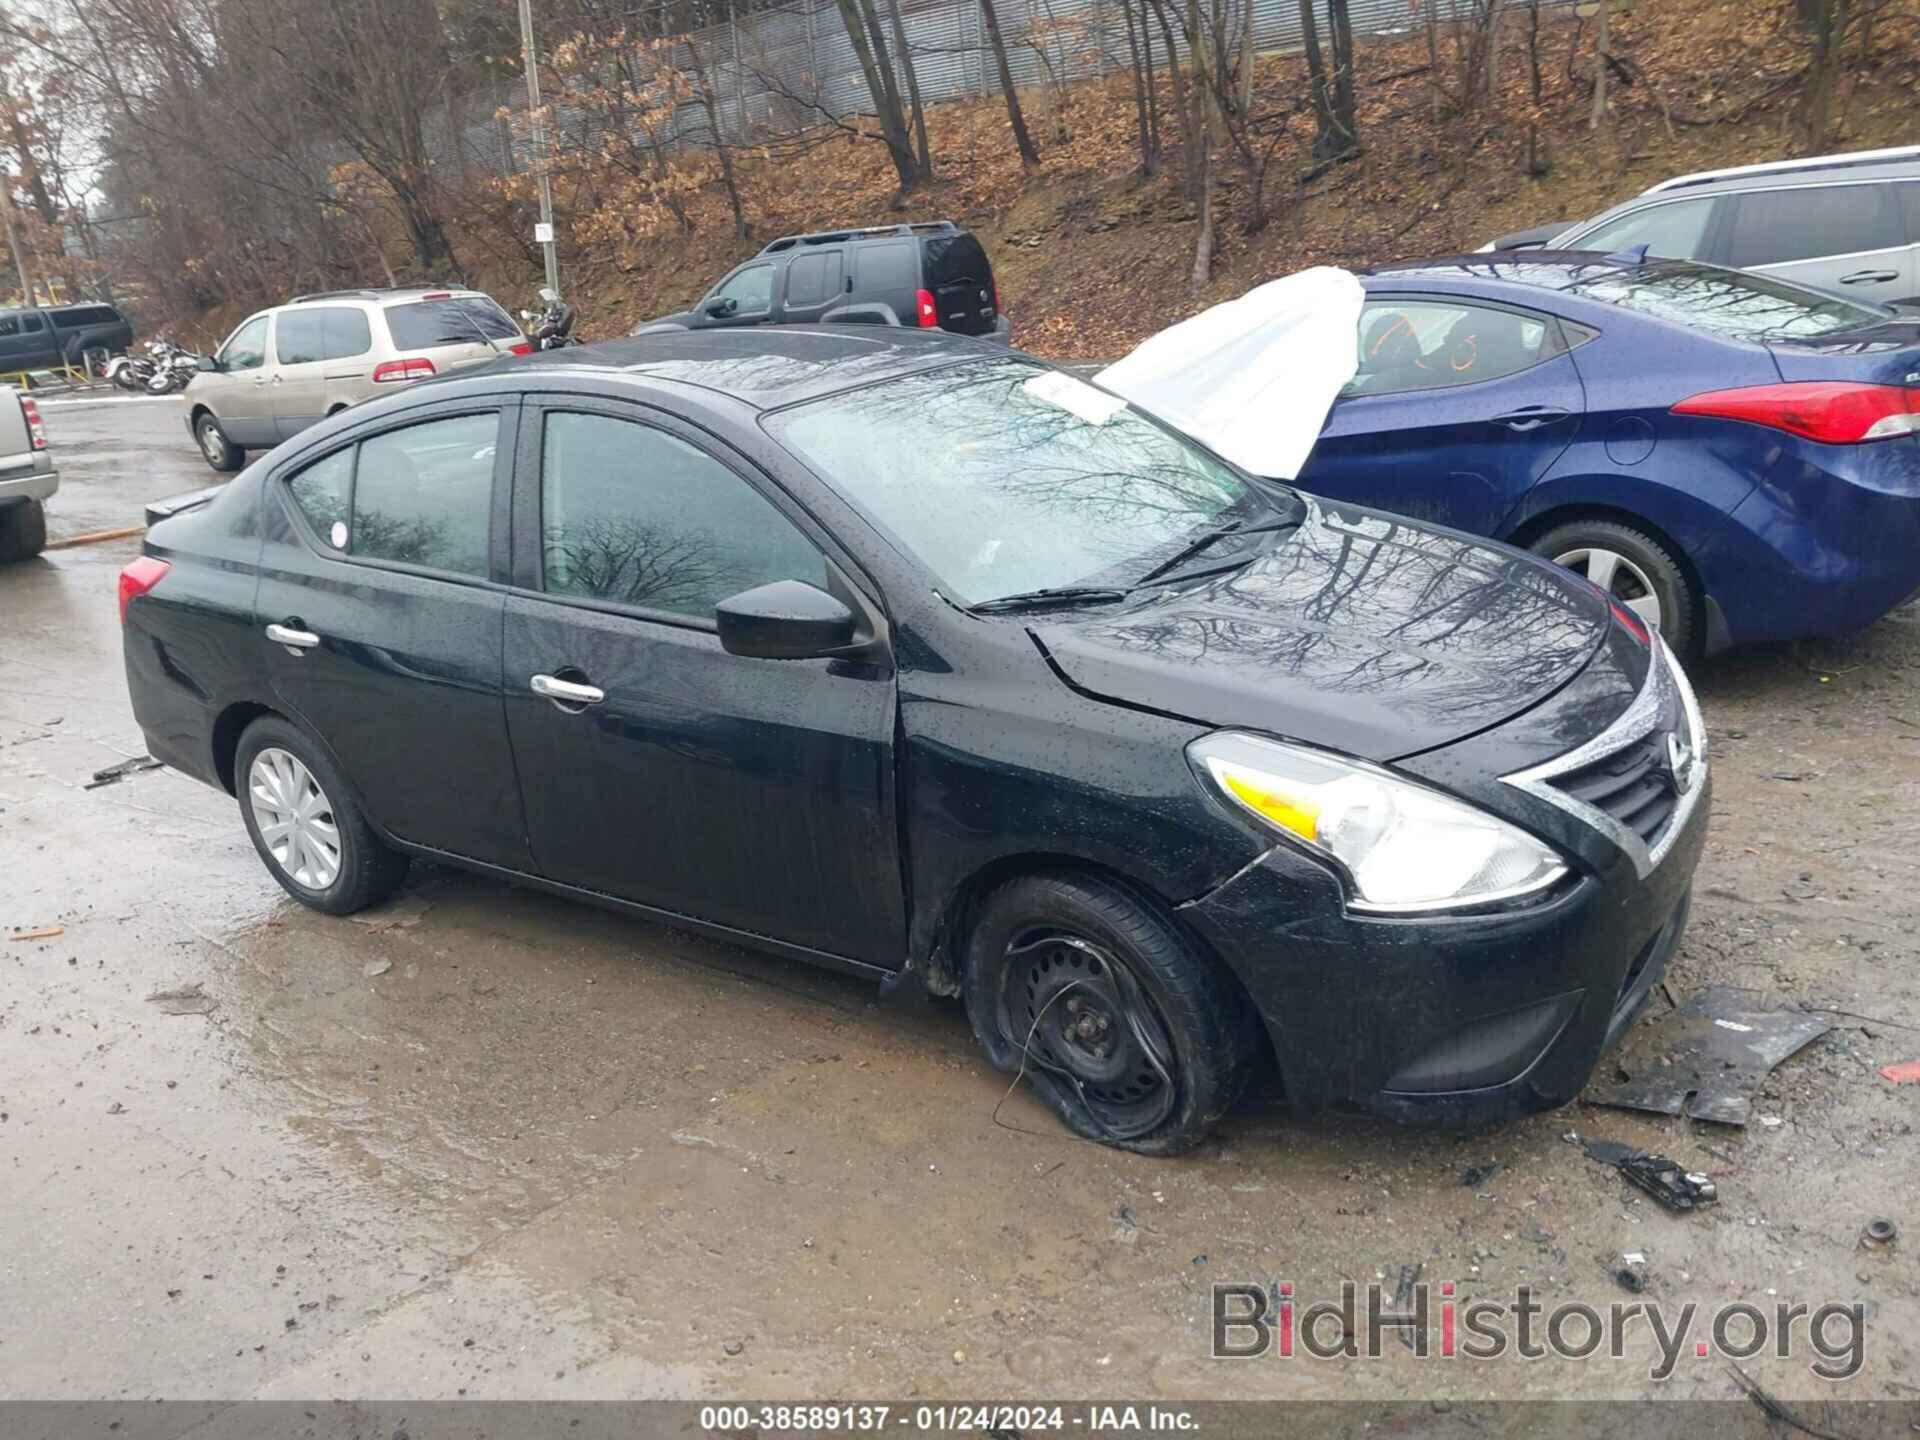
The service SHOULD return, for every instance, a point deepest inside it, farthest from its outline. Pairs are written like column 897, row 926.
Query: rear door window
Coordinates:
column 1673, row 230
column 32, row 324
column 1426, row 344
column 885, row 267
column 814, row 278
column 1776, row 227
column 458, row 320
column 424, row 495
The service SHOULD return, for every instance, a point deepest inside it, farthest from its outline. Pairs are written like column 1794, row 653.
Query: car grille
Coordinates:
column 1634, row 785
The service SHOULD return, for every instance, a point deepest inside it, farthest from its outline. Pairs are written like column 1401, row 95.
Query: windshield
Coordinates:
column 1003, row 477
column 1726, row 302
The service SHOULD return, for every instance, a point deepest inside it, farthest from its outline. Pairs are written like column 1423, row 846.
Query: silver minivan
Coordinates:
column 1849, row 224
column 286, row 368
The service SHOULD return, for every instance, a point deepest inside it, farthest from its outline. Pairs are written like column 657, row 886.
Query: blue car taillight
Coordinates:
column 1835, row 412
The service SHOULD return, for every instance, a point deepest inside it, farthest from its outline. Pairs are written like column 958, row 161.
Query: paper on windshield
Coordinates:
column 1075, row 396
column 1253, row 378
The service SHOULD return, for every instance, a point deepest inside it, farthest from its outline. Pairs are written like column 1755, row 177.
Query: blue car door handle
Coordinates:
column 1531, row 417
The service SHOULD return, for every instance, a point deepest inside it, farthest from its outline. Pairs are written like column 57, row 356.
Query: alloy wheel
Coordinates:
column 294, row 818
column 1079, row 1013
column 1620, row 577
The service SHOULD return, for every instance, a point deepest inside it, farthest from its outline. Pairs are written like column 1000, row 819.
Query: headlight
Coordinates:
column 1402, row 846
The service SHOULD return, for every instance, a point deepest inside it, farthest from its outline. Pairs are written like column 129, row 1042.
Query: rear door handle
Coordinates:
column 1531, row 417
column 1870, row 277
column 566, row 691
column 294, row 639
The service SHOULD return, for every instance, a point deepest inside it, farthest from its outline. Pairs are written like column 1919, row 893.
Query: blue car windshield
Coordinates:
column 1730, row 303
column 1003, row 477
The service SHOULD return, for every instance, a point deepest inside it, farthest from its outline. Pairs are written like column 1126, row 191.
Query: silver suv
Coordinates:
column 1844, row 223
column 286, row 368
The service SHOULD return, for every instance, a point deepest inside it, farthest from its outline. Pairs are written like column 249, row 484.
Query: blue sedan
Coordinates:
column 1734, row 458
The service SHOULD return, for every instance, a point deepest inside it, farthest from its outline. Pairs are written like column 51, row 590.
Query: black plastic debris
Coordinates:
column 1474, row 1176
column 113, row 774
column 1706, row 1058
column 1669, row 1182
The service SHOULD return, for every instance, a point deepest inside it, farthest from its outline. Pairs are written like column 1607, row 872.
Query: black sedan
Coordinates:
column 913, row 658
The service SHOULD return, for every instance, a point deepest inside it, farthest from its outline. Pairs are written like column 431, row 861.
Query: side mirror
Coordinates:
column 205, row 362
column 720, row 309
column 787, row 620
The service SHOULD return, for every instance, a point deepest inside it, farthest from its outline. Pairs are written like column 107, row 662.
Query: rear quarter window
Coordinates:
column 1776, row 227
column 462, row 320
column 885, row 267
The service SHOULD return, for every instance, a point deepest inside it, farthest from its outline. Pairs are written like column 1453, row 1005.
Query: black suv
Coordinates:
column 930, row 276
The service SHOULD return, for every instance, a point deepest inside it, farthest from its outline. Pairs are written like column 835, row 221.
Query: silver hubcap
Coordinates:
column 1619, row 577
column 295, row 819
column 211, row 443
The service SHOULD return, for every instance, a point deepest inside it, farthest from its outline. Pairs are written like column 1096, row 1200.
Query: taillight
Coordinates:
column 1837, row 412
column 1635, row 626
column 438, row 295
column 138, row 578
column 36, row 427
column 929, row 314
column 520, row 347
column 390, row 370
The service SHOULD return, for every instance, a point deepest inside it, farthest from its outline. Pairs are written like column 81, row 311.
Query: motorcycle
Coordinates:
column 165, row 368
column 553, row 325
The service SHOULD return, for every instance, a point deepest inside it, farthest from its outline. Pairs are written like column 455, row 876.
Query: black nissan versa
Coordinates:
column 914, row 658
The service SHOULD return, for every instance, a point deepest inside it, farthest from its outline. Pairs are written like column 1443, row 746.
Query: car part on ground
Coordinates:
column 770, row 697
column 928, row 275
column 27, row 477
column 1669, row 1182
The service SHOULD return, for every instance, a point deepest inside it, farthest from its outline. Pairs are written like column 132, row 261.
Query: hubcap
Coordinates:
column 1619, row 577
column 210, row 442
column 1081, row 1015
column 295, row 818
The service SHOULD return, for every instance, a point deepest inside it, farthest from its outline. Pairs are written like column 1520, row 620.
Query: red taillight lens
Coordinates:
column 138, row 578
column 929, row 313
column 36, row 427
column 1836, row 412
column 1635, row 626
column 391, row 370
column 520, row 347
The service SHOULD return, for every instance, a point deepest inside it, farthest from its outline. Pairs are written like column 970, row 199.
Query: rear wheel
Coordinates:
column 23, row 531
column 222, row 454
column 1125, row 1029
column 1636, row 570
column 307, row 826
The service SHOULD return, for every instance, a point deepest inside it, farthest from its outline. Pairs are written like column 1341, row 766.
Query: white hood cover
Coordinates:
column 1253, row 378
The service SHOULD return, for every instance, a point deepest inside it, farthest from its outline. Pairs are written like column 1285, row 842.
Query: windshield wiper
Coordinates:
column 1052, row 595
column 1201, row 542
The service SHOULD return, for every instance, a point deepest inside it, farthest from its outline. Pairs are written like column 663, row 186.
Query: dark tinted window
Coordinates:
column 246, row 348
column 32, row 324
column 323, row 492
column 297, row 338
column 885, row 267
column 9, row 324
column 424, row 494
column 637, row 516
column 1772, row 227
column 813, row 278
column 1427, row 344
column 1726, row 302
column 73, row 317
column 955, row 260
column 463, row 320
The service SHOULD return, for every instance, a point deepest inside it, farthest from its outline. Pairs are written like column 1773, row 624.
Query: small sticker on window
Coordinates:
column 338, row 535
column 1075, row 396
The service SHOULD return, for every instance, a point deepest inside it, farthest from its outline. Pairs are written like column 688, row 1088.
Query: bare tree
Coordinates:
column 1029, row 153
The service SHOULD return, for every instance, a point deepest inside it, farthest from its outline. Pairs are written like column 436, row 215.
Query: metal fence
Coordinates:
column 775, row 70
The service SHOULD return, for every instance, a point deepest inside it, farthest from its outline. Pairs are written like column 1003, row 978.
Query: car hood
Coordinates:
column 1359, row 631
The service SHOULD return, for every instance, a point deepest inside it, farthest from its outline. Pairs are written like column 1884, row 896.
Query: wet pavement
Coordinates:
column 490, row 1143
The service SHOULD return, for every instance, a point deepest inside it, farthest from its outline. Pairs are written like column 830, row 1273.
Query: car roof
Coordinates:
column 397, row 296
column 1901, row 163
column 1537, row 269
column 765, row 366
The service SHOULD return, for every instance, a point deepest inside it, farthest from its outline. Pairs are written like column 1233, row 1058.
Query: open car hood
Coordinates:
column 1360, row 631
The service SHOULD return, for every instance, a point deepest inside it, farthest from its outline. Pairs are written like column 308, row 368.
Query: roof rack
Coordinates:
column 867, row 232
column 1847, row 161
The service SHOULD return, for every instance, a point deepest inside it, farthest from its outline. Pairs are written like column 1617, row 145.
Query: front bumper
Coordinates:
column 1462, row 1020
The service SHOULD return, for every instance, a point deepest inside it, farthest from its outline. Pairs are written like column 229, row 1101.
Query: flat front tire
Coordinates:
column 307, row 825
column 1131, row 1034
column 220, row 452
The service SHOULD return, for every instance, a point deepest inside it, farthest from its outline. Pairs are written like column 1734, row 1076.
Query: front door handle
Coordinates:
column 1870, row 277
column 293, row 638
column 1531, row 417
column 566, row 692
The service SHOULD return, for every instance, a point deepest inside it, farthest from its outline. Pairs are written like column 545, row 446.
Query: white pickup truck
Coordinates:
column 27, row 477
